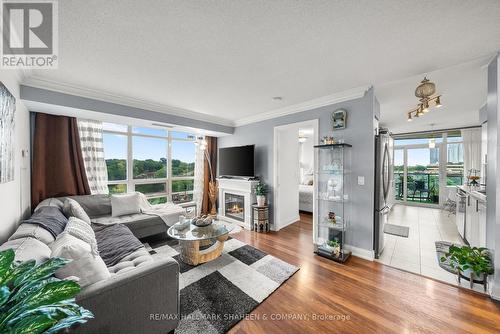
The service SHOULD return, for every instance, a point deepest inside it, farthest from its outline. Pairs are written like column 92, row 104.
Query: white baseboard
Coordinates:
column 289, row 222
column 361, row 252
column 494, row 291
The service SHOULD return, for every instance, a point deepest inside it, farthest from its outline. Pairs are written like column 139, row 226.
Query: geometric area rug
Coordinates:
column 216, row 295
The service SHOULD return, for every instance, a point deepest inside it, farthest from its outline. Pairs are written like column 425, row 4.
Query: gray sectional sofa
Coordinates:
column 141, row 295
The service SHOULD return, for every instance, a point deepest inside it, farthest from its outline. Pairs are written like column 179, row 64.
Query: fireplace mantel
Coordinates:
column 239, row 187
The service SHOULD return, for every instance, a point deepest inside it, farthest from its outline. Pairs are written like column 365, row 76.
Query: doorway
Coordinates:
column 290, row 173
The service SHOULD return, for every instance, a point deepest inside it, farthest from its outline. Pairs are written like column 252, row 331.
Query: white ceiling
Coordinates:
column 228, row 58
column 463, row 89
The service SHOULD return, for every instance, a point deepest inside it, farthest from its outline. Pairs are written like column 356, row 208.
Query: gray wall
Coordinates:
column 359, row 133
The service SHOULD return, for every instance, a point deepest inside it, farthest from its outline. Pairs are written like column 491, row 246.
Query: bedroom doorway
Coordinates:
column 294, row 161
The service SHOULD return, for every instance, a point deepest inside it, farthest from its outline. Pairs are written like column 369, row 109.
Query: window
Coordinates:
column 417, row 160
column 455, row 161
column 153, row 161
column 150, row 157
column 115, row 146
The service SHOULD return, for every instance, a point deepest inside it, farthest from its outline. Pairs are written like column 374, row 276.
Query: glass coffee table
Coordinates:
column 193, row 239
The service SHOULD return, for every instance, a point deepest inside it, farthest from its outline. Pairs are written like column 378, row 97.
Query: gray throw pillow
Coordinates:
column 73, row 209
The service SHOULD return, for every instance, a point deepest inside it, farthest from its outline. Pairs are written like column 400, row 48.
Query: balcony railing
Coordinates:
column 422, row 187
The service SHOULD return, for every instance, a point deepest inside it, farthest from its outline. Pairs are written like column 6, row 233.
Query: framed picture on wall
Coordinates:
column 339, row 118
column 7, row 122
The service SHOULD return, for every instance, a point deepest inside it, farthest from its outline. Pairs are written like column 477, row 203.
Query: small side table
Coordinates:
column 260, row 218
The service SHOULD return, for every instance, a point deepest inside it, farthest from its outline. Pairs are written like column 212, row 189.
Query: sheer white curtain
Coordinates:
column 91, row 141
column 472, row 150
column 199, row 168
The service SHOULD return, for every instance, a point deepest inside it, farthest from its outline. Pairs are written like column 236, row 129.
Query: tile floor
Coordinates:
column 417, row 253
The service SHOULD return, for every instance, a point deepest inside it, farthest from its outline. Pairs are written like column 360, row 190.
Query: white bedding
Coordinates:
column 306, row 198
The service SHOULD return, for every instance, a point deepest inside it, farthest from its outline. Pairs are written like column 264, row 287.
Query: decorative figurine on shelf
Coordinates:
column 328, row 140
column 473, row 177
column 335, row 245
column 331, row 217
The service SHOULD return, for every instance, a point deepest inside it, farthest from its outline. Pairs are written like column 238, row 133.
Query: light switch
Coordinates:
column 361, row 180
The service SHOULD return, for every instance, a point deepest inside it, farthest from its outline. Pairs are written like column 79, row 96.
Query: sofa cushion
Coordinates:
column 125, row 204
column 73, row 209
column 50, row 202
column 141, row 225
column 50, row 218
column 132, row 261
column 83, row 231
column 94, row 205
column 28, row 249
column 89, row 268
column 34, row 231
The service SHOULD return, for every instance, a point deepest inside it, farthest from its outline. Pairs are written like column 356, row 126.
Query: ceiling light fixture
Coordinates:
column 425, row 92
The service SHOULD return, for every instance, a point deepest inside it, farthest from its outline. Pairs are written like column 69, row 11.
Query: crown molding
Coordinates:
column 343, row 96
column 67, row 88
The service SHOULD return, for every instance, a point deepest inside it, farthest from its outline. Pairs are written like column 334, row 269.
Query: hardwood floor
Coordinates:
column 375, row 298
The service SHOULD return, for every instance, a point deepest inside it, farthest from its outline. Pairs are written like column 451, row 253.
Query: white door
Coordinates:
column 287, row 176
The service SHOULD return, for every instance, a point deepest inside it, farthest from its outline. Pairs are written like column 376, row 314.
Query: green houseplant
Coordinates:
column 473, row 263
column 33, row 301
column 261, row 192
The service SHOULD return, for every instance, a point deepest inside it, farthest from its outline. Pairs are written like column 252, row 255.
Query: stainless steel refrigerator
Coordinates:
column 384, row 184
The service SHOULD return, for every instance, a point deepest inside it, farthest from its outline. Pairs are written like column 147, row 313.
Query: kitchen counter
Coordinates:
column 477, row 193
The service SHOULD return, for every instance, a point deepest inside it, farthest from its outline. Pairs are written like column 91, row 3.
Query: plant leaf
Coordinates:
column 33, row 325
column 6, row 260
column 18, row 270
column 42, row 271
column 4, row 294
column 69, row 321
column 51, row 293
column 28, row 289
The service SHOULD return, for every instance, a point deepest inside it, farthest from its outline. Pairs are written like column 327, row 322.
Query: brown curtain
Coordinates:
column 58, row 168
column 212, row 154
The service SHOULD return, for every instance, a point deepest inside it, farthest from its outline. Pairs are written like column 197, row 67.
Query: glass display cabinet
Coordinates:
column 332, row 209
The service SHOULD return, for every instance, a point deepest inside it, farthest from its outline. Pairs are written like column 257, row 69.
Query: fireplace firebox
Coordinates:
column 234, row 206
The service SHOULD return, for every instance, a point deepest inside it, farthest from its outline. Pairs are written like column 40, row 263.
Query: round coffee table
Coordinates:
column 193, row 237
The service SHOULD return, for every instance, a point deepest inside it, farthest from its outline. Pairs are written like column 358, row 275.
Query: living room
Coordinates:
column 154, row 175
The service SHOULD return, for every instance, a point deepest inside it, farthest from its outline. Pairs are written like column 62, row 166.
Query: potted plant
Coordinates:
column 260, row 192
column 472, row 263
column 335, row 245
column 32, row 300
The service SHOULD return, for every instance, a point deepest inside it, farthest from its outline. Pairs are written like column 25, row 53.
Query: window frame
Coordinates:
column 443, row 164
column 131, row 182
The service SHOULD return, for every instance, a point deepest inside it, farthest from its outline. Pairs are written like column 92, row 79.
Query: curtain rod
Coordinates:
column 436, row 131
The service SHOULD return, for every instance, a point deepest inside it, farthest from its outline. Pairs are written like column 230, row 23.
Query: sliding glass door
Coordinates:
column 422, row 177
column 426, row 167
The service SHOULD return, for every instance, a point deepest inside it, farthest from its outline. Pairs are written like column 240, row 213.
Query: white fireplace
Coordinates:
column 236, row 197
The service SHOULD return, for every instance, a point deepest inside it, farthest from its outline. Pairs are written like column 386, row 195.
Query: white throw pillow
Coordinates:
column 87, row 267
column 83, row 231
column 126, row 204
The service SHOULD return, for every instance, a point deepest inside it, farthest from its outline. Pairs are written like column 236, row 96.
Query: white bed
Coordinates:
column 306, row 198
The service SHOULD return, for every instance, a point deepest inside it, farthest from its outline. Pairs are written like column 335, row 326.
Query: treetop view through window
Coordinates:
column 162, row 162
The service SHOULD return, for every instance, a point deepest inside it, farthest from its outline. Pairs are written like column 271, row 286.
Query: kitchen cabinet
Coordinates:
column 482, row 224
column 471, row 217
column 475, row 222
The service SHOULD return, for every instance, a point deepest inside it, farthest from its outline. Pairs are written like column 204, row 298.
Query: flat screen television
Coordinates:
column 237, row 161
